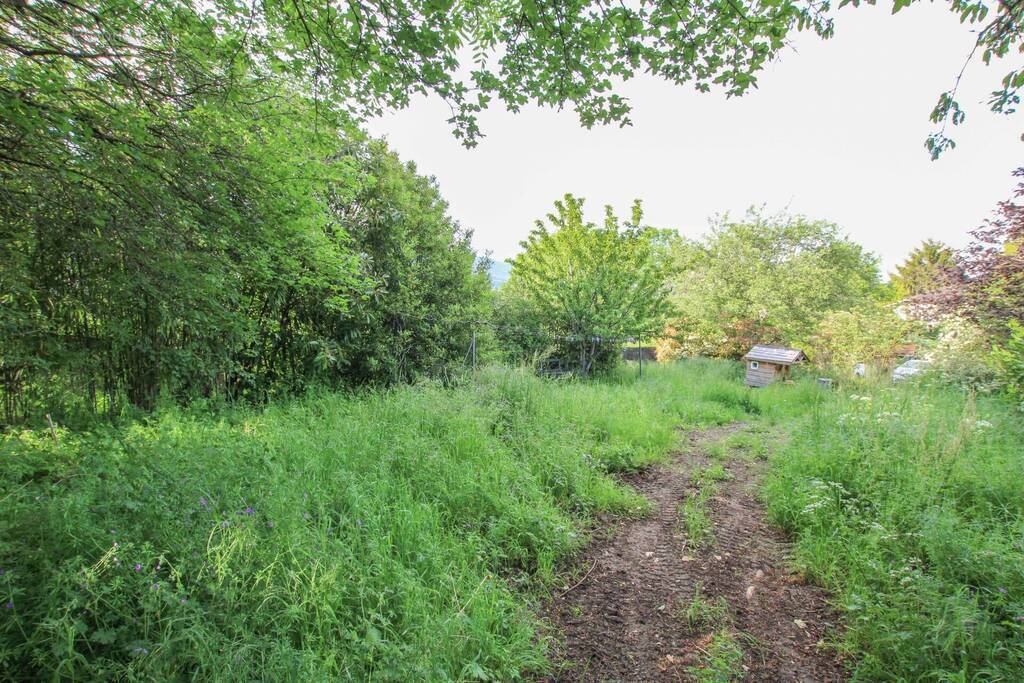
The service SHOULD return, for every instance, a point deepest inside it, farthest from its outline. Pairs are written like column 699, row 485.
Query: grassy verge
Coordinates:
column 908, row 503
column 386, row 535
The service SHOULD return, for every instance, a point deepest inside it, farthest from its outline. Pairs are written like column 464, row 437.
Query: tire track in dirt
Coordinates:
column 623, row 622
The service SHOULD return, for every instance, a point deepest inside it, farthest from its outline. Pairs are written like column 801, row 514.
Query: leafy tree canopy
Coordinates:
column 86, row 69
column 990, row 288
column 584, row 284
column 925, row 269
column 765, row 279
column 365, row 56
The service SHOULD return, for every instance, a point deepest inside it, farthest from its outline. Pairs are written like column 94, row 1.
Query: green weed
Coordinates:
column 695, row 520
column 721, row 662
column 693, row 511
column 703, row 613
column 712, row 474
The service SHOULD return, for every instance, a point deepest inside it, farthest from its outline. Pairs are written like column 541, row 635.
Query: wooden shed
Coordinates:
column 766, row 364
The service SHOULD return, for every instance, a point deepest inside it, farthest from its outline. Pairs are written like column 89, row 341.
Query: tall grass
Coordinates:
column 393, row 535
column 908, row 502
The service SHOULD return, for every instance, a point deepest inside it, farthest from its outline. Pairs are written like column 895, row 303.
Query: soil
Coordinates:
column 620, row 617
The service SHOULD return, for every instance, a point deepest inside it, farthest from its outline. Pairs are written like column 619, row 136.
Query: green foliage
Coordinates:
column 766, row 279
column 746, row 445
column 693, row 511
column 383, row 536
column 588, row 288
column 703, row 613
column 131, row 70
column 122, row 274
column 416, row 315
column 721, row 661
column 961, row 355
column 364, row 58
column 1009, row 358
column 713, row 473
column 905, row 503
column 311, row 266
column 925, row 269
column 870, row 333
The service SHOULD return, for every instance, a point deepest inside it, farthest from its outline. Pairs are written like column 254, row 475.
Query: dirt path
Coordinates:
column 635, row 618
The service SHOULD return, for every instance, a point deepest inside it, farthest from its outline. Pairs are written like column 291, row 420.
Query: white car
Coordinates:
column 909, row 369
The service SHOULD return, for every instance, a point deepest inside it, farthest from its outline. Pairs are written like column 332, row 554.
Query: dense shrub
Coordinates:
column 1009, row 359
column 356, row 274
column 961, row 355
column 869, row 334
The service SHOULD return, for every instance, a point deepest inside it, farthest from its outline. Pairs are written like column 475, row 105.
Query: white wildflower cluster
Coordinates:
column 886, row 415
column 908, row 573
column 982, row 424
column 855, row 397
column 846, row 418
column 886, row 534
column 824, row 494
column 815, row 504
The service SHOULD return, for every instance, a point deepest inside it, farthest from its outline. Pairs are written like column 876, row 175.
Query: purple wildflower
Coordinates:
column 156, row 586
column 10, row 604
column 1002, row 590
column 202, row 501
column 138, row 567
column 225, row 524
column 248, row 511
column 2, row 571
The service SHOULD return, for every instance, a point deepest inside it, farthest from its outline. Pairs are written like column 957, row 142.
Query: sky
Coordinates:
column 835, row 130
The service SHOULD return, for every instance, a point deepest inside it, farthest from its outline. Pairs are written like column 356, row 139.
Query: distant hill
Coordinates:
column 499, row 272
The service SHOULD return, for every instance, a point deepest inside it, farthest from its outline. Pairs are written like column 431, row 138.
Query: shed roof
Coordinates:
column 775, row 354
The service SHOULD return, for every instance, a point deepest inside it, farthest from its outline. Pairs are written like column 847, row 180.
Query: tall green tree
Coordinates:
column 428, row 295
column 586, row 288
column 765, row 279
column 926, row 269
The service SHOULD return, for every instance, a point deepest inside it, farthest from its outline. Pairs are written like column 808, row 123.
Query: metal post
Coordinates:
column 640, row 357
column 474, row 350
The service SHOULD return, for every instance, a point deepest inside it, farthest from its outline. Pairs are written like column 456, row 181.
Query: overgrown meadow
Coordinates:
column 908, row 503
column 397, row 535
column 406, row 534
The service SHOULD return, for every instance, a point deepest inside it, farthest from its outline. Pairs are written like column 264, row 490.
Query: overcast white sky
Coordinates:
column 836, row 130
